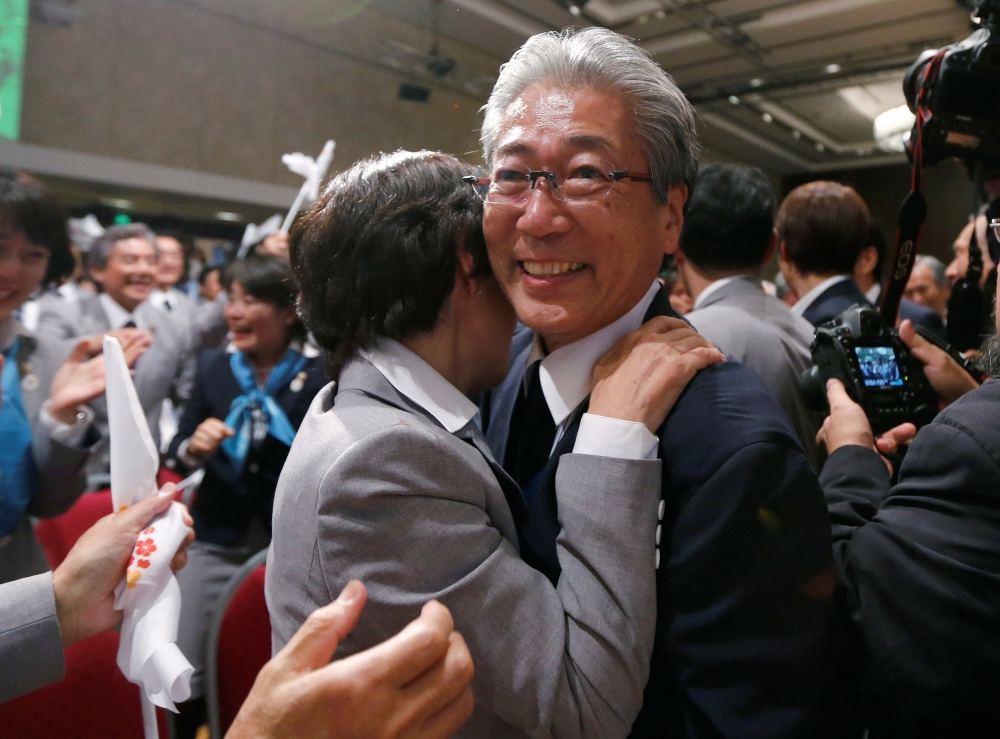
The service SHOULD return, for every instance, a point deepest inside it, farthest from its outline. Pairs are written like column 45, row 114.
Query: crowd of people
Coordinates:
column 501, row 478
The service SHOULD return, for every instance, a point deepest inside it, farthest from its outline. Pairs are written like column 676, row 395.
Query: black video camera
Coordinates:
column 963, row 97
column 876, row 367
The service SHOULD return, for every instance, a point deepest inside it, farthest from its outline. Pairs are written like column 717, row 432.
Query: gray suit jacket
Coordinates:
column 31, row 650
column 205, row 320
column 758, row 330
column 377, row 490
column 166, row 370
column 61, row 468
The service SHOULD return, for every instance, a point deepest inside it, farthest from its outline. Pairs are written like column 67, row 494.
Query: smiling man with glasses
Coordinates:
column 590, row 153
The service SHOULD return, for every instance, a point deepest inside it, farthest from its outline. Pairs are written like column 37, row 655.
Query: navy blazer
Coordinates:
column 839, row 297
column 921, row 564
column 740, row 650
column 227, row 501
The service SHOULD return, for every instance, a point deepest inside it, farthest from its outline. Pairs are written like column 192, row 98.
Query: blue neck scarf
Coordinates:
column 256, row 410
column 18, row 475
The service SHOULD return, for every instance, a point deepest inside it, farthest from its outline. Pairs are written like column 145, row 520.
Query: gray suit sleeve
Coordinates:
column 413, row 518
column 62, row 474
column 31, row 650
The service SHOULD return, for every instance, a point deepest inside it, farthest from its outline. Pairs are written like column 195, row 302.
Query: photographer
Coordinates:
column 919, row 559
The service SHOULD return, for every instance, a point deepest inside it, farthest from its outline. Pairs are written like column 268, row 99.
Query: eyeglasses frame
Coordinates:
column 615, row 176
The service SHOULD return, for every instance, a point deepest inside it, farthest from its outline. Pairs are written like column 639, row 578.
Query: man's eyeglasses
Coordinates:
column 512, row 185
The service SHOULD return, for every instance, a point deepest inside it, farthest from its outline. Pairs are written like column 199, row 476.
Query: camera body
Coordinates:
column 964, row 95
column 876, row 367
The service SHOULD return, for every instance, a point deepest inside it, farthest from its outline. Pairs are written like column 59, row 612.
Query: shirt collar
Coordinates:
column 422, row 384
column 700, row 300
column 118, row 316
column 809, row 298
column 873, row 293
column 565, row 374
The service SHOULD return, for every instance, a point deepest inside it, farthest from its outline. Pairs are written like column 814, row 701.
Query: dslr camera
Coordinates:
column 876, row 367
column 963, row 94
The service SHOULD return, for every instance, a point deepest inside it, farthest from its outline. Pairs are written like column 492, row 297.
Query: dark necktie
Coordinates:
column 532, row 433
column 130, row 324
column 166, row 306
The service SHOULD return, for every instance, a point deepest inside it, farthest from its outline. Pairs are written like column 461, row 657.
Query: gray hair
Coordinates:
column 103, row 245
column 663, row 118
column 936, row 266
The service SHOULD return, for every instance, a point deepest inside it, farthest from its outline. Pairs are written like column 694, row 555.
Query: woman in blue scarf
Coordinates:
column 247, row 403
column 44, row 422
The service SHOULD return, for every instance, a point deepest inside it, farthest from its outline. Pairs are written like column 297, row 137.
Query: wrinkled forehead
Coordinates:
column 547, row 119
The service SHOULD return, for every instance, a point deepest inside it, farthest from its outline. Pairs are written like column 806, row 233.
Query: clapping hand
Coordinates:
column 82, row 376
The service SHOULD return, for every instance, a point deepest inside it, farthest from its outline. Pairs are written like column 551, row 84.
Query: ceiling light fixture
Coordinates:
column 796, row 135
column 660, row 15
column 643, row 19
column 574, row 10
column 768, row 118
column 225, row 215
column 832, row 68
column 734, row 100
column 892, row 128
column 119, row 203
column 820, row 147
column 756, row 82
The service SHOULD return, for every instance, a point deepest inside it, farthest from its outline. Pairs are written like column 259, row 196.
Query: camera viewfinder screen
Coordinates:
column 878, row 366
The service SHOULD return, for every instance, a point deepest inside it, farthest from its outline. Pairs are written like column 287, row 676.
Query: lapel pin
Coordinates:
column 299, row 382
column 30, row 383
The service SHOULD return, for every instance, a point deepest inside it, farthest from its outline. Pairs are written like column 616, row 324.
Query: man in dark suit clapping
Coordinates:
column 591, row 150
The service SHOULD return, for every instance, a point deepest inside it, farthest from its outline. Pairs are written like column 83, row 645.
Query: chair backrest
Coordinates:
column 58, row 535
column 239, row 644
column 92, row 701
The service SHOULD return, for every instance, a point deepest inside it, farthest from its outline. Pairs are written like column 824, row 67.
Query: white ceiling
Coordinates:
column 791, row 85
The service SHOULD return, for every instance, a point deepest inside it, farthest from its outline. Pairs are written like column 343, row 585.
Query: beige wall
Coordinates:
column 156, row 81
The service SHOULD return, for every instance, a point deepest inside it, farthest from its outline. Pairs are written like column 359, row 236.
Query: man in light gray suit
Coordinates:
column 390, row 480
column 728, row 234
column 123, row 262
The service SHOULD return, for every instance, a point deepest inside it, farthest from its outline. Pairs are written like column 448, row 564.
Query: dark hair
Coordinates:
column 27, row 206
column 376, row 254
column 729, row 218
column 187, row 246
column 103, row 246
column 824, row 226
column 203, row 275
column 877, row 239
column 266, row 278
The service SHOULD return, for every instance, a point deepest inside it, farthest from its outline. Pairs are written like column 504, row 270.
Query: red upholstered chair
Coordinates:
column 58, row 535
column 93, row 700
column 239, row 644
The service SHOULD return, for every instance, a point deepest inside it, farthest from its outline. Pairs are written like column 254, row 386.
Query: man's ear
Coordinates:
column 782, row 249
column 676, row 200
column 866, row 261
column 97, row 275
column 465, row 269
column 770, row 247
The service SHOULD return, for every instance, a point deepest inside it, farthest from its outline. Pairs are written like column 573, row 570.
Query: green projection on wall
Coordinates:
column 13, row 34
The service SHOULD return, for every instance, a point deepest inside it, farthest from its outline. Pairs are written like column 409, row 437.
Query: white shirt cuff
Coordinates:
column 612, row 437
column 182, row 454
column 70, row 435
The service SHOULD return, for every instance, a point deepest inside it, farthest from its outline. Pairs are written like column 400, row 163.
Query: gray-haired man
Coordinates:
column 591, row 150
column 123, row 262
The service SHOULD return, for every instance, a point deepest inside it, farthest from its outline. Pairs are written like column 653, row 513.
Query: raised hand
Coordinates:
column 640, row 378
column 413, row 686
column 82, row 377
column 949, row 380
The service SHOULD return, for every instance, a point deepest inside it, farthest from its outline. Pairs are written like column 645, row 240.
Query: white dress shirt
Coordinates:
column 873, row 293
column 118, row 316
column 703, row 296
column 565, row 375
column 421, row 383
column 810, row 297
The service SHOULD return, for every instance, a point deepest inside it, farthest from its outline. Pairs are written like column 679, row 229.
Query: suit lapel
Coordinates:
column 501, row 398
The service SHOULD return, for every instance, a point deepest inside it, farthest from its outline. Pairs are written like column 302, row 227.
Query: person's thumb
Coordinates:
column 315, row 642
column 138, row 515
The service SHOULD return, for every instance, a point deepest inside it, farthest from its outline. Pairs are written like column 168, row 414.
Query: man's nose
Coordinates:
column 543, row 215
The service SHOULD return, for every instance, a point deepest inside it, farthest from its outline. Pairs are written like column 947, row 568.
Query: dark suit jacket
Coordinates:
column 739, row 650
column 837, row 298
column 228, row 501
column 921, row 563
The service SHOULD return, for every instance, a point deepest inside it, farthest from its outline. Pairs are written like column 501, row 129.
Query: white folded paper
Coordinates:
column 254, row 234
column 314, row 170
column 149, row 594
